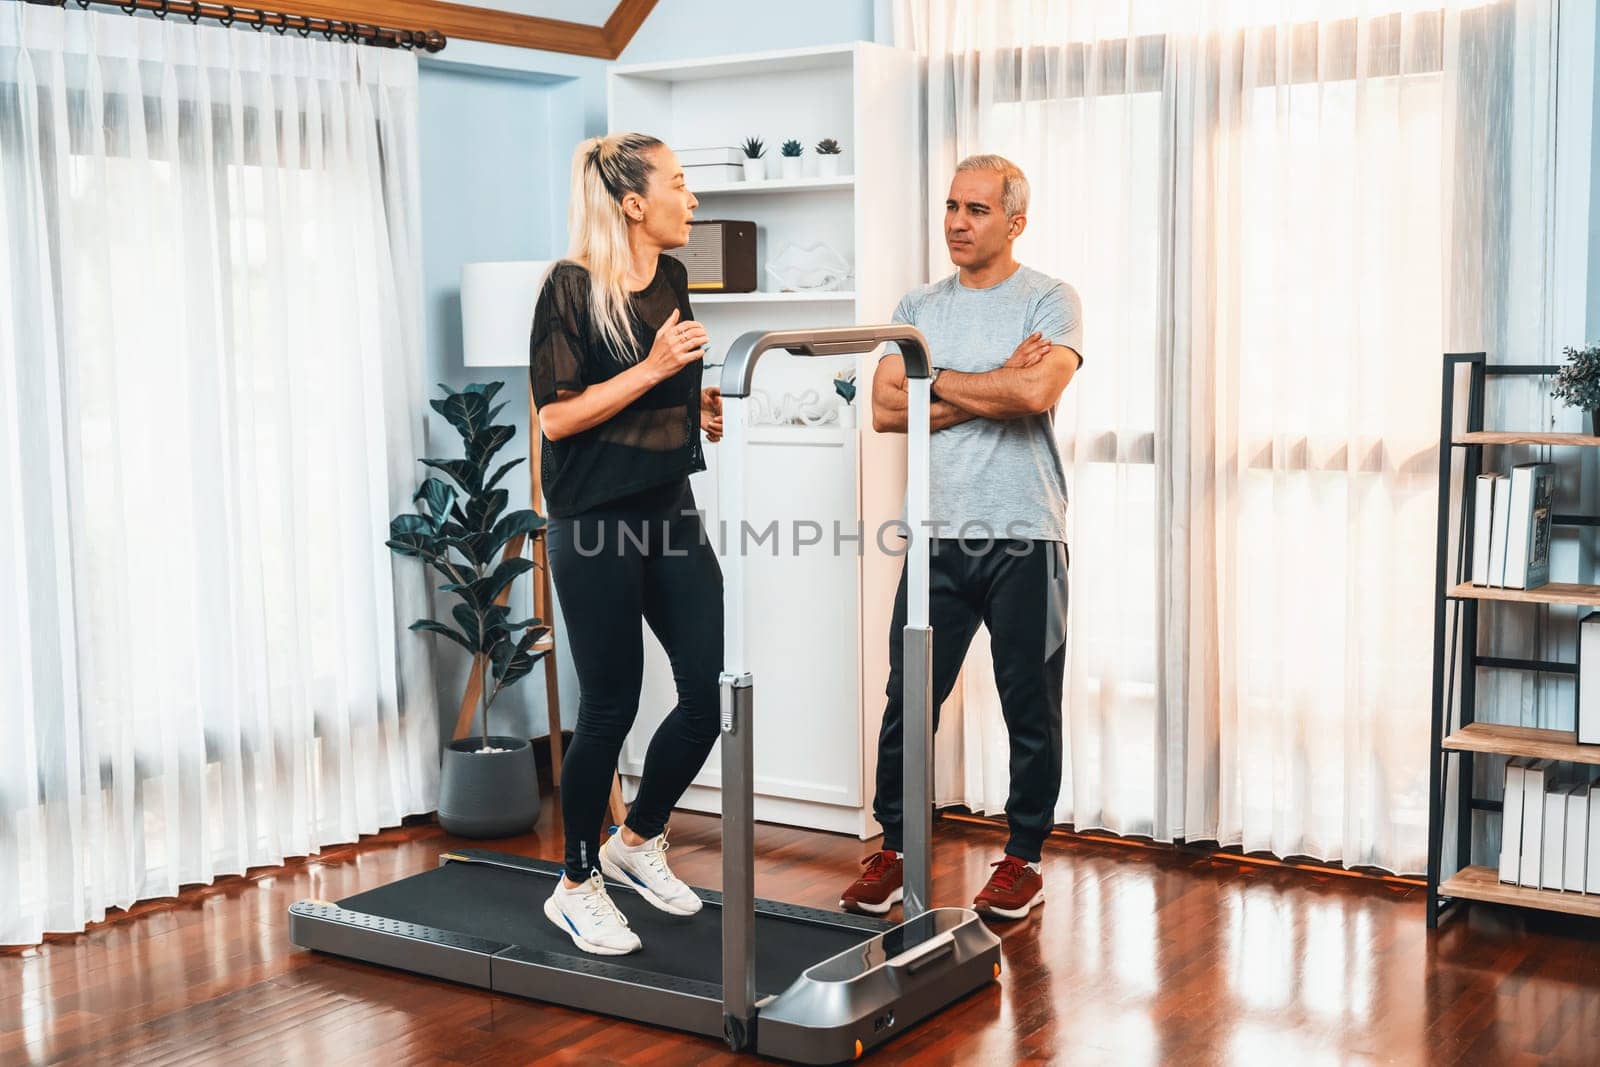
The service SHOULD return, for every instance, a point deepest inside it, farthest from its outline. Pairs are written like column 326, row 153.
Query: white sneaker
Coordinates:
column 588, row 916
column 645, row 870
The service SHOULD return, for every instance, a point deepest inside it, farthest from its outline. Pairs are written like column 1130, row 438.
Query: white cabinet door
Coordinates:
column 804, row 622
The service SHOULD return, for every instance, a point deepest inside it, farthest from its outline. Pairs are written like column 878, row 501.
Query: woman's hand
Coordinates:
column 711, row 413
column 677, row 345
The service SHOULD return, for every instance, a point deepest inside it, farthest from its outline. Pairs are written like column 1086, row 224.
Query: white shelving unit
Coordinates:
column 841, row 296
column 819, row 687
column 778, row 185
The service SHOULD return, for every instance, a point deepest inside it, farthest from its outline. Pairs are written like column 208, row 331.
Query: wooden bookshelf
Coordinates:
column 1500, row 437
column 1553, row 593
column 1454, row 750
column 1522, row 741
column 1483, row 883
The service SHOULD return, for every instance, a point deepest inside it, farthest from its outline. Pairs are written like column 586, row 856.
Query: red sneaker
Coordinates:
column 880, row 887
column 1013, row 889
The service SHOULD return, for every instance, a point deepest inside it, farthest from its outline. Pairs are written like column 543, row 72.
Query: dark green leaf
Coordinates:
column 500, row 628
column 419, row 546
column 483, row 630
column 439, row 497
column 456, row 572
column 464, row 473
column 467, row 411
column 513, row 661
column 483, row 592
column 500, row 473
column 409, row 523
column 482, row 446
column 440, row 628
column 487, row 390
column 479, row 548
column 485, row 508
column 523, row 522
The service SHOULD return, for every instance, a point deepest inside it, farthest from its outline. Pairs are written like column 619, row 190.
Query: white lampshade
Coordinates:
column 497, row 301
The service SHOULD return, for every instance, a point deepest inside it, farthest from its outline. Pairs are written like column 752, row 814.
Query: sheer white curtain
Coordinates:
column 1263, row 205
column 210, row 375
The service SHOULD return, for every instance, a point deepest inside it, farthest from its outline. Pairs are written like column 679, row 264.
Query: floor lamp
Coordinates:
column 497, row 302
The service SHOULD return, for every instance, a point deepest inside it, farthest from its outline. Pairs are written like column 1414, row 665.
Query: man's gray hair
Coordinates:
column 1014, row 194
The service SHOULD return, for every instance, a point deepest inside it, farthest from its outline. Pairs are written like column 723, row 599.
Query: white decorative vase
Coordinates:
column 828, row 166
column 790, row 166
column 847, row 416
column 755, row 170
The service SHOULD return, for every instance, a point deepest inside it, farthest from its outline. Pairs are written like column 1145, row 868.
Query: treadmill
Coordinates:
column 802, row 984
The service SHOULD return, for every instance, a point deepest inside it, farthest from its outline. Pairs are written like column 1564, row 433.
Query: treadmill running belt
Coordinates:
column 508, row 905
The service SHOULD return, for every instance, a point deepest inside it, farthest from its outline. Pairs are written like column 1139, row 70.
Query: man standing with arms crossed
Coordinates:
column 1004, row 341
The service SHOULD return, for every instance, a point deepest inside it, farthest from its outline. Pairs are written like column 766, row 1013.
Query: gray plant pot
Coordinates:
column 488, row 794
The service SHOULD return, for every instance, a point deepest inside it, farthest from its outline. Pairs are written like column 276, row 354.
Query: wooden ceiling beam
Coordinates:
column 625, row 22
column 495, row 27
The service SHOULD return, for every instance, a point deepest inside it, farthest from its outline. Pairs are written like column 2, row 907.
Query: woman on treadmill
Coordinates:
column 616, row 366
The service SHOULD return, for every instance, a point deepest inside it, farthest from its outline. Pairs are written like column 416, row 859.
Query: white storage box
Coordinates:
column 712, row 173
column 705, row 157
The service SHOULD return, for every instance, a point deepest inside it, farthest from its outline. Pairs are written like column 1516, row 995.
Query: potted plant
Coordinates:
column 844, row 383
column 828, row 152
column 488, row 785
column 790, row 163
column 1578, row 383
column 754, row 150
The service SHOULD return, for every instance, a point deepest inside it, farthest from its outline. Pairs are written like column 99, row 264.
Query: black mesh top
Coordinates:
column 653, row 441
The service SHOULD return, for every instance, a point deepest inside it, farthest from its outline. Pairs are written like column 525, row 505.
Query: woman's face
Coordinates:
column 668, row 205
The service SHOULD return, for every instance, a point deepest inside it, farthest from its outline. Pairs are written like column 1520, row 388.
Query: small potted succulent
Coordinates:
column 1578, row 383
column 828, row 152
column 790, row 164
column 488, row 785
column 754, row 167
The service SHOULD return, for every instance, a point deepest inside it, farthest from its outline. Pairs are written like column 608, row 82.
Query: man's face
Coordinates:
column 976, row 229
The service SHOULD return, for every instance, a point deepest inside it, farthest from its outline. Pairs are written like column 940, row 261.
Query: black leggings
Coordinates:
column 1018, row 590
column 645, row 555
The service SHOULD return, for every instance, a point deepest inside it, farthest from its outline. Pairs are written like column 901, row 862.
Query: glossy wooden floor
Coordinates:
column 1141, row 955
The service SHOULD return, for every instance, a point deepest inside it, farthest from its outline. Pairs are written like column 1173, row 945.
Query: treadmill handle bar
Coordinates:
column 738, row 752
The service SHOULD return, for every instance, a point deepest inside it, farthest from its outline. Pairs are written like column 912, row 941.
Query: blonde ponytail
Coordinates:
column 604, row 170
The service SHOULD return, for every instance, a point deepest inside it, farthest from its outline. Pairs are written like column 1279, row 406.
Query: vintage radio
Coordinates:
column 720, row 256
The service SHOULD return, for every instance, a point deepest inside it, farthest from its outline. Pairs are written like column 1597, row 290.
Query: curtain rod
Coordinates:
column 280, row 22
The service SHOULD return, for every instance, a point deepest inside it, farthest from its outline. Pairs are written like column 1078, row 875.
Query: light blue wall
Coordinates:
column 497, row 129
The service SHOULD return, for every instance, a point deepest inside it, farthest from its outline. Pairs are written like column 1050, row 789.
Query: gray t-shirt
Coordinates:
column 998, row 478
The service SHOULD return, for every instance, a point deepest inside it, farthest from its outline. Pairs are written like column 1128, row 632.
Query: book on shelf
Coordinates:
column 1511, row 821
column 1575, row 856
column 1482, row 524
column 1555, row 832
column 1533, row 821
column 1528, row 526
column 1592, row 879
column 1586, row 692
column 1500, row 529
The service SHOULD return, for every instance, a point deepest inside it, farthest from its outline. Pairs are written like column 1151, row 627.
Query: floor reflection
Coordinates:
column 1139, row 956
